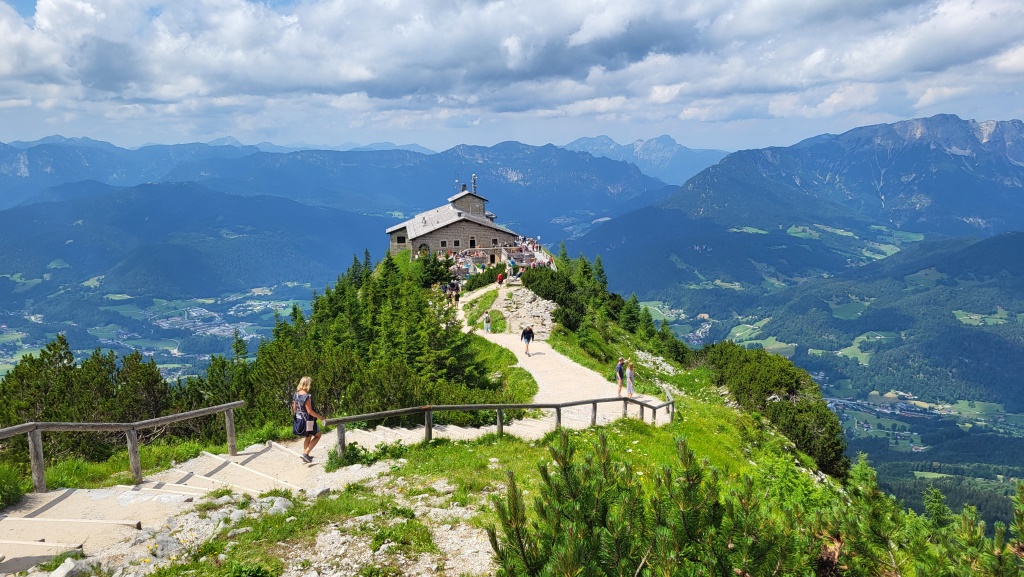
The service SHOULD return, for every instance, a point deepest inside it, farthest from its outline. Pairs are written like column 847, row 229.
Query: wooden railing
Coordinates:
column 429, row 410
column 35, row 436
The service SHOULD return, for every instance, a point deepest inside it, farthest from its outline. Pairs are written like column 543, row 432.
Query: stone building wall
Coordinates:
column 470, row 205
column 461, row 231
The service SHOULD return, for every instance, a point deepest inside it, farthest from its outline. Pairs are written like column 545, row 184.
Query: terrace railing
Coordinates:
column 429, row 410
column 35, row 436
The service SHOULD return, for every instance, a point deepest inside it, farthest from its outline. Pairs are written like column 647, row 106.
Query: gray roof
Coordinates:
column 465, row 193
column 441, row 217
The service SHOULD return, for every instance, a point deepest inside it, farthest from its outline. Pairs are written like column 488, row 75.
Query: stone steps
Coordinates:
column 43, row 525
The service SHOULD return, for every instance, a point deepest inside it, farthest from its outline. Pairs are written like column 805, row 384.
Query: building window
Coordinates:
column 494, row 242
column 455, row 243
column 444, row 244
column 472, row 242
column 400, row 240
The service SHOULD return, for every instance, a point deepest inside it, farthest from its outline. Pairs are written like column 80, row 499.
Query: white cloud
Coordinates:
column 845, row 98
column 484, row 67
column 936, row 94
column 1011, row 61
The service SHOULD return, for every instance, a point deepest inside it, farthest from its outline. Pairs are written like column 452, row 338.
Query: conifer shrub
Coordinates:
column 559, row 287
column 592, row 343
column 786, row 395
column 596, row 516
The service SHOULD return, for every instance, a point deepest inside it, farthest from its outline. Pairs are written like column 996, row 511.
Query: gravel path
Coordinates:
column 559, row 378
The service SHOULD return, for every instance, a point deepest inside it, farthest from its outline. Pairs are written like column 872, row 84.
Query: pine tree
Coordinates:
column 599, row 275
column 645, row 324
column 629, row 316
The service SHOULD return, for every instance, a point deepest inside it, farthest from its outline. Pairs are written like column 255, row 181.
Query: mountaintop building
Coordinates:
column 464, row 224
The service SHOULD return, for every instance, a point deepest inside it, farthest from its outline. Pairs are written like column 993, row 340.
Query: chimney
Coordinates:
column 463, row 187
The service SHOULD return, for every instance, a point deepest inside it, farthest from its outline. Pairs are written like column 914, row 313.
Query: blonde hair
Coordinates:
column 305, row 383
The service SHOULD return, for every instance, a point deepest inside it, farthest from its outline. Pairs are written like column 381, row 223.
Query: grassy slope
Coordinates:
column 477, row 469
column 727, row 439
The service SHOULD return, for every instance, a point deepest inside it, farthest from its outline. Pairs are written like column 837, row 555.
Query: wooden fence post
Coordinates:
column 625, row 404
column 501, row 423
column 558, row 417
column 133, row 456
column 641, row 413
column 341, row 440
column 593, row 415
column 35, row 453
column 428, row 423
column 229, row 422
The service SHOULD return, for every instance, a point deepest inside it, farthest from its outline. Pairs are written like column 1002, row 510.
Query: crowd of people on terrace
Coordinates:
column 525, row 252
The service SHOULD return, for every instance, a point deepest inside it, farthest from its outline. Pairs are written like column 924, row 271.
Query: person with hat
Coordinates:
column 619, row 375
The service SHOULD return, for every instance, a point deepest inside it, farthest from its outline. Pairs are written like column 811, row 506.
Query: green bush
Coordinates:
column 356, row 454
column 592, row 343
column 10, row 486
column 485, row 278
column 236, row 569
column 498, row 322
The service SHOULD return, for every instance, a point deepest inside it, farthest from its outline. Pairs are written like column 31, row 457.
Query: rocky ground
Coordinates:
column 522, row 307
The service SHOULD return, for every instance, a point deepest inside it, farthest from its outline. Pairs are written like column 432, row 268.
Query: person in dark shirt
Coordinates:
column 619, row 368
column 527, row 336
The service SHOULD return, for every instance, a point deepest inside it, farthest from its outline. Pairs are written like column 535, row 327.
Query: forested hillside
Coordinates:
column 380, row 338
column 385, row 337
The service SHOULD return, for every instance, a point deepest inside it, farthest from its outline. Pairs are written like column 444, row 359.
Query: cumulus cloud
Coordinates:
column 316, row 68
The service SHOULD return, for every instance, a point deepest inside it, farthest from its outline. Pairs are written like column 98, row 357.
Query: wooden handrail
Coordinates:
column 429, row 410
column 16, row 430
column 35, row 438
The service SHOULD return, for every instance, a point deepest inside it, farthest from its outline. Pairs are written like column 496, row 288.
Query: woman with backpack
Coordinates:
column 305, row 424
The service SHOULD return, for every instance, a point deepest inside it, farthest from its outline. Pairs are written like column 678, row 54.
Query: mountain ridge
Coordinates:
column 661, row 157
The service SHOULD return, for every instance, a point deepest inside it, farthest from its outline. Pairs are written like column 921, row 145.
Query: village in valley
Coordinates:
column 180, row 335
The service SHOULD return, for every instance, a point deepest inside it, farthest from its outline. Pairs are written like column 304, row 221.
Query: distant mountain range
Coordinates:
column 544, row 191
column 764, row 219
column 207, row 219
column 172, row 240
column 660, row 157
column 27, row 171
column 771, row 243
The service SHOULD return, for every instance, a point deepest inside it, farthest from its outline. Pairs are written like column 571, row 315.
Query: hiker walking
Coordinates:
column 630, row 379
column 619, row 369
column 487, row 322
column 305, row 418
column 527, row 336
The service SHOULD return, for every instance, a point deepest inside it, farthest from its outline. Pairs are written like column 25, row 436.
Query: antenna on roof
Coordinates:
column 474, row 184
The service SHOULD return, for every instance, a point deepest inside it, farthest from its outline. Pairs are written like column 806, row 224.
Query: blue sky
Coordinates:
column 725, row 74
